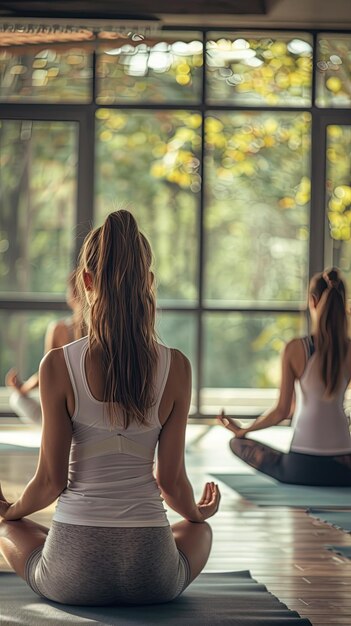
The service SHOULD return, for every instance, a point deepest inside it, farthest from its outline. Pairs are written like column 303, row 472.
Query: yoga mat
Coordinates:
column 339, row 519
column 342, row 550
column 213, row 599
column 9, row 447
column 265, row 491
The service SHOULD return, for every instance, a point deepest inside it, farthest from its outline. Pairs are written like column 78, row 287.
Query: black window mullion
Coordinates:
column 86, row 169
column 201, row 258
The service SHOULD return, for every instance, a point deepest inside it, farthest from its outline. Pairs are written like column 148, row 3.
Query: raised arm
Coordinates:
column 282, row 411
column 171, row 473
column 51, row 475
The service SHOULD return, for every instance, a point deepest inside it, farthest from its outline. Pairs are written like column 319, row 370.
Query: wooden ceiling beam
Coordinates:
column 131, row 9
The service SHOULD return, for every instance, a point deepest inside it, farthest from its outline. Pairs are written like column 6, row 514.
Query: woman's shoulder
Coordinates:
column 296, row 354
column 296, row 345
column 52, row 364
column 177, row 357
column 179, row 360
column 179, row 364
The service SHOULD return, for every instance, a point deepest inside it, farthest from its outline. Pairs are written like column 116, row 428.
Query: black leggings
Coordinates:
column 294, row 467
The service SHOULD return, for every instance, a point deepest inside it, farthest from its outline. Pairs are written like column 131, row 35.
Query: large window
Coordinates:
column 232, row 149
column 149, row 161
column 38, row 180
column 257, row 192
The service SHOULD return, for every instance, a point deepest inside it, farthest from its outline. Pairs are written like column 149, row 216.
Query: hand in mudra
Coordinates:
column 209, row 502
column 230, row 424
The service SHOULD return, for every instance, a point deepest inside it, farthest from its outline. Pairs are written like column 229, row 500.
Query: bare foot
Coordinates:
column 12, row 380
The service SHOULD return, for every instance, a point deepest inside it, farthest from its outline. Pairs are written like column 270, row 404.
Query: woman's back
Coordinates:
column 111, row 480
column 320, row 424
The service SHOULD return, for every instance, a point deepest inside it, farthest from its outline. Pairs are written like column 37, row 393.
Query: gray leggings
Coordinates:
column 100, row 566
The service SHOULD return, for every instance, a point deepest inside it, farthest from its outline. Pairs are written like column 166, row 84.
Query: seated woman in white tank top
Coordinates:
column 108, row 400
column 318, row 369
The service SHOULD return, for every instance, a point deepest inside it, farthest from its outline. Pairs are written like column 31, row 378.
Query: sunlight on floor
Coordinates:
column 26, row 436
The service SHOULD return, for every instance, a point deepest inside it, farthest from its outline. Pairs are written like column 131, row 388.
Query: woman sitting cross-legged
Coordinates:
column 107, row 400
column 320, row 365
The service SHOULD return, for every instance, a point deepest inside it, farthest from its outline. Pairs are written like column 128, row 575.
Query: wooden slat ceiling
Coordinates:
column 130, row 8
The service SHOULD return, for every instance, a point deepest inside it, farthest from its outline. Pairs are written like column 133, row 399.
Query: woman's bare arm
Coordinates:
column 282, row 410
column 171, row 473
column 51, row 475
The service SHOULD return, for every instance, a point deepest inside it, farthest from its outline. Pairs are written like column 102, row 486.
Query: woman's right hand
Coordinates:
column 209, row 502
column 12, row 380
column 230, row 424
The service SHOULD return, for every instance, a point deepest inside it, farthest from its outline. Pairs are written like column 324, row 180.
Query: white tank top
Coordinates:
column 110, row 477
column 320, row 425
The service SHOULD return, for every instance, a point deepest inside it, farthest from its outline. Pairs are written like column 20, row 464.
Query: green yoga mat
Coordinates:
column 265, row 491
column 226, row 598
column 339, row 519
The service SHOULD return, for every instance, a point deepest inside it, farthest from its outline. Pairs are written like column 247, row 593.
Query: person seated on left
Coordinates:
column 58, row 334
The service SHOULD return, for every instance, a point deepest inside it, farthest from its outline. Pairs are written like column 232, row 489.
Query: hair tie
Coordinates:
column 327, row 279
column 331, row 283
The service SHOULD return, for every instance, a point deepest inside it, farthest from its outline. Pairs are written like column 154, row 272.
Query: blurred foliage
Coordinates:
column 254, row 70
column 149, row 162
column 338, row 196
column 48, row 75
column 245, row 350
column 258, row 198
column 167, row 69
column 179, row 330
column 333, row 78
column 38, row 187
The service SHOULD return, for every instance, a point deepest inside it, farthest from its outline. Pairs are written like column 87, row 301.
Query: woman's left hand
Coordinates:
column 230, row 424
column 4, row 505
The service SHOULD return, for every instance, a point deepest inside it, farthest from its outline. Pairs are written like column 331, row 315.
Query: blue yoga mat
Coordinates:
column 265, row 491
column 339, row 519
column 342, row 550
column 213, row 599
column 15, row 449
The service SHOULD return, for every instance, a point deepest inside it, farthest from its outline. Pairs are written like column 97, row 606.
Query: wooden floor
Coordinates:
column 282, row 547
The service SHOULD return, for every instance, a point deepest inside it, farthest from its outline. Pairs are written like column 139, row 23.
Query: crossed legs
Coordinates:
column 294, row 467
column 257, row 455
column 20, row 538
column 195, row 541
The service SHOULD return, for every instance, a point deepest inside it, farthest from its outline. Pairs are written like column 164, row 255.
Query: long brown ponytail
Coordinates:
column 122, row 314
column 329, row 292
